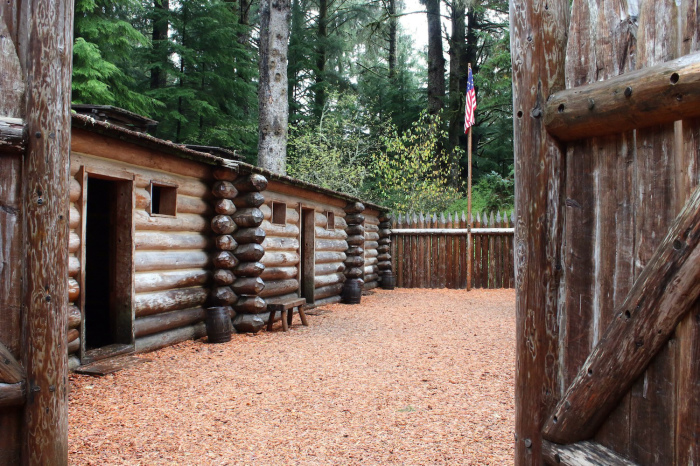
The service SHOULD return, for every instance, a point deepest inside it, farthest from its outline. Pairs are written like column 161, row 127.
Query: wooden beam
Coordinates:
column 582, row 454
column 660, row 297
column 13, row 137
column 648, row 97
column 12, row 394
column 10, row 370
column 45, row 52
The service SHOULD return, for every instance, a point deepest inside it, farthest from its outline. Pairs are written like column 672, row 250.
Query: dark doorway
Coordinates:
column 108, row 259
column 307, row 254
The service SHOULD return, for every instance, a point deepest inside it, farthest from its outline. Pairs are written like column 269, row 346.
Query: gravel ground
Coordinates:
column 409, row 377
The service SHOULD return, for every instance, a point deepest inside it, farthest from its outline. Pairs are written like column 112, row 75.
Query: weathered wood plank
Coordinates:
column 582, row 454
column 659, row 299
column 11, row 371
column 12, row 395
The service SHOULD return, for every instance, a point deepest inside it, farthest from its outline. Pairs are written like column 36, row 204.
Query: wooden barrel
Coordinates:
column 388, row 280
column 352, row 291
column 218, row 323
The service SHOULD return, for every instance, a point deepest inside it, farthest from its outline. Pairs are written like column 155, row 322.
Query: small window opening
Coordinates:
column 279, row 213
column 331, row 221
column 163, row 199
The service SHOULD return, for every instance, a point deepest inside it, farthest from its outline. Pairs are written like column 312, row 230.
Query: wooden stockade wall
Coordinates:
column 430, row 259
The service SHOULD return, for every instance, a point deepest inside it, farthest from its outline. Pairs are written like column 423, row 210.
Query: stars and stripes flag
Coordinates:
column 470, row 106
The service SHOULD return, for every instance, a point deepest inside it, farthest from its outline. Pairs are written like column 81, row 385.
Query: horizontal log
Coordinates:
column 223, row 277
column 355, row 251
column 280, row 259
column 158, row 240
column 371, row 236
column 184, row 298
column 74, row 217
column 250, row 305
column 340, row 223
column 355, row 230
column 251, row 183
column 250, row 323
column 248, row 286
column 320, row 220
column 370, row 285
column 224, row 174
column 76, row 190
column 355, row 261
column 73, row 346
column 224, row 190
column 322, row 233
column 371, row 245
column 248, row 217
column 11, row 371
column 224, row 260
column 331, row 245
column 167, row 280
column 272, row 243
column 326, row 291
column 327, row 257
column 384, row 265
column 182, row 222
column 170, row 337
column 585, row 453
column 370, row 268
column 12, row 394
column 327, row 301
column 333, row 267
column 292, row 216
column 73, row 266
column 73, row 242
column 659, row 299
column 73, row 290
column 354, row 208
column 13, row 136
column 74, row 317
column 223, row 296
column 371, row 252
column 384, row 241
column 280, row 230
column 253, row 199
column 354, row 219
column 370, row 227
column 147, row 261
column 383, row 249
column 279, row 287
column 331, row 279
column 383, row 257
column 370, row 261
column 225, row 243
column 250, row 252
column 193, row 205
column 356, row 240
column 72, row 334
column 73, row 362
column 371, row 277
column 250, row 235
column 224, row 207
column 647, row 97
column 371, row 219
column 354, row 272
column 223, row 225
column 279, row 273
column 249, row 269
column 142, row 199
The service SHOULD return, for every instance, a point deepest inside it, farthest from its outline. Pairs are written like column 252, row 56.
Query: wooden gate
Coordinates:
column 607, row 135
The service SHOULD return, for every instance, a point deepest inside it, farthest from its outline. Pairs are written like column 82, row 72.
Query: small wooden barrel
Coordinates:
column 218, row 323
column 352, row 291
column 388, row 280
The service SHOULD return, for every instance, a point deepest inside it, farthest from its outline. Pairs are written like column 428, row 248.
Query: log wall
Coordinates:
column 371, row 267
column 281, row 259
column 330, row 247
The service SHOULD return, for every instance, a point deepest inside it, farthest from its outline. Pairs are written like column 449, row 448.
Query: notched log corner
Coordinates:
column 13, row 136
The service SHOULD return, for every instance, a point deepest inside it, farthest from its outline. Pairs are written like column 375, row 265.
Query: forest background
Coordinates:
column 369, row 115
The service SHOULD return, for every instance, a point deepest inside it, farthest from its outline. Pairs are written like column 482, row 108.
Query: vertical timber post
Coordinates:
column 45, row 52
column 538, row 46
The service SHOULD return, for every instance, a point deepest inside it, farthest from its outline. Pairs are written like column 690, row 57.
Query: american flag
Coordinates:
column 470, row 105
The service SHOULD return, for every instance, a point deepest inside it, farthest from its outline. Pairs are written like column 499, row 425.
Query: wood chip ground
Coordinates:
column 408, row 377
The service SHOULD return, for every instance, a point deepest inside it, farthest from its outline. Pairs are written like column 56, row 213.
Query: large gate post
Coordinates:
column 538, row 46
column 45, row 52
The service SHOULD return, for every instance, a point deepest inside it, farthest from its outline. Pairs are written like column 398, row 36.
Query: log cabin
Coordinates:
column 160, row 231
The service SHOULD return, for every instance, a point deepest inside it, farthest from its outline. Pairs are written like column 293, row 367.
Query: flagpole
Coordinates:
column 470, row 247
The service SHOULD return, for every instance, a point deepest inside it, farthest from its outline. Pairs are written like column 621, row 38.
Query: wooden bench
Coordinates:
column 283, row 306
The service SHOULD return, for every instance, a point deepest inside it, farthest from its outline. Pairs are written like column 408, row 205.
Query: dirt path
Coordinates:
column 409, row 377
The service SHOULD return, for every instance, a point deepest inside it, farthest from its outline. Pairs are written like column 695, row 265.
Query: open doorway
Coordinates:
column 307, row 254
column 108, row 259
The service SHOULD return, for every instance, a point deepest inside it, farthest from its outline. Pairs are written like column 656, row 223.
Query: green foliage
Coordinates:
column 491, row 193
column 408, row 176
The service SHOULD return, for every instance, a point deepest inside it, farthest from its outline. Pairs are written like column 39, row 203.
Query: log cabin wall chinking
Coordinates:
column 159, row 232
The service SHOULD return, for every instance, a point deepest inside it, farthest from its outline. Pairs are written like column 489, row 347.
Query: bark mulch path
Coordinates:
column 409, row 377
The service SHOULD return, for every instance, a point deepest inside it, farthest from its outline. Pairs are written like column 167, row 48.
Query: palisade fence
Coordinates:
column 430, row 251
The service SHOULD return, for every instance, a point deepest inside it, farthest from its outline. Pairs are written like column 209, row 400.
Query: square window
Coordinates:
column 279, row 213
column 163, row 199
column 331, row 221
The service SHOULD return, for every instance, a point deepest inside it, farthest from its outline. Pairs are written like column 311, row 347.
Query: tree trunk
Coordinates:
column 436, row 60
column 321, row 57
column 457, row 88
column 160, row 47
column 392, row 38
column 272, row 91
